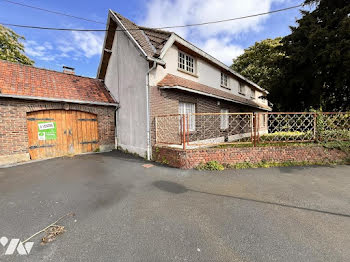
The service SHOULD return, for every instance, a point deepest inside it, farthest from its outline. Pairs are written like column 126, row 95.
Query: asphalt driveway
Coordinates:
column 125, row 212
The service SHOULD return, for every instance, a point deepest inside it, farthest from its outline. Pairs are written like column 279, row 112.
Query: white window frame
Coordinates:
column 224, row 117
column 188, row 109
column 186, row 63
column 224, row 80
column 252, row 93
column 241, row 88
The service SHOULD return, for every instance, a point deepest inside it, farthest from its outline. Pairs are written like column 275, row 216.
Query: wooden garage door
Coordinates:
column 54, row 133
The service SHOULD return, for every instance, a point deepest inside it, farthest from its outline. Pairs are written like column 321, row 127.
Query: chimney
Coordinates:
column 68, row 70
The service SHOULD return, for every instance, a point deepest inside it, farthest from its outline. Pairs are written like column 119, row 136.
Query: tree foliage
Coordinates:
column 310, row 68
column 11, row 49
column 317, row 64
column 261, row 62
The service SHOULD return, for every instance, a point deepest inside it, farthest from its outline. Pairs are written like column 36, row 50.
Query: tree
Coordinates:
column 316, row 69
column 310, row 68
column 261, row 62
column 11, row 49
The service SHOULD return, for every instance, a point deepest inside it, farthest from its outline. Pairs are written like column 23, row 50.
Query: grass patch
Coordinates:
column 268, row 164
column 211, row 165
column 214, row 165
column 266, row 144
column 340, row 145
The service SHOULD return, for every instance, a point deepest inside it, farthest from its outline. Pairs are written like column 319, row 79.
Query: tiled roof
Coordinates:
column 157, row 37
column 151, row 40
column 22, row 80
column 172, row 80
column 137, row 34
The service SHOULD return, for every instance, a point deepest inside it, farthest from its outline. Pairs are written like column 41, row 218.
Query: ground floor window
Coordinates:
column 190, row 109
column 224, row 118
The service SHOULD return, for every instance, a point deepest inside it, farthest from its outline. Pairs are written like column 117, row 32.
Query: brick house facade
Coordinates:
column 154, row 72
column 164, row 102
column 14, row 133
column 26, row 89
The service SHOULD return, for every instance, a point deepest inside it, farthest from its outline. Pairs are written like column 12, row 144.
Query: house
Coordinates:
column 44, row 113
column 152, row 72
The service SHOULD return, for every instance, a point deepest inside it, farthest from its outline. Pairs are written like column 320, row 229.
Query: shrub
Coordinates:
column 211, row 165
column 285, row 136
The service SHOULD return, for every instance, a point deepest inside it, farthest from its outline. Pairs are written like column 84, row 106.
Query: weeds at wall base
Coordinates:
column 214, row 165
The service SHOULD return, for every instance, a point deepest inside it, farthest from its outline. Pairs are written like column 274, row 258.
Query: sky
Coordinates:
column 82, row 50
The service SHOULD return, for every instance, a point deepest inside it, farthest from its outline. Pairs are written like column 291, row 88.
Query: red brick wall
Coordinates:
column 13, row 123
column 191, row 158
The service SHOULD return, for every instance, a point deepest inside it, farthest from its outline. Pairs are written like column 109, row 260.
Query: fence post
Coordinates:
column 315, row 127
column 184, row 131
column 258, row 128
column 188, row 129
column 254, row 129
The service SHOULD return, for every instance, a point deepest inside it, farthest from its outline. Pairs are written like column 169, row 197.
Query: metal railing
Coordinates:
column 208, row 129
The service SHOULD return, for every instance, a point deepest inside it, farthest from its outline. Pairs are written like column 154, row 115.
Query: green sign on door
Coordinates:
column 47, row 131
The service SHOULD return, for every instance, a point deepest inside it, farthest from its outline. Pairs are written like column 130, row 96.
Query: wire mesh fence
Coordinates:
column 288, row 127
column 211, row 128
column 168, row 129
column 332, row 127
column 208, row 129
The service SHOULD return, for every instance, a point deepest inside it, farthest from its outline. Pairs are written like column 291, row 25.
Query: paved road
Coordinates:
column 125, row 212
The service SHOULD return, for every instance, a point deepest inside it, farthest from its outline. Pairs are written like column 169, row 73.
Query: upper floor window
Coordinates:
column 186, row 62
column 241, row 89
column 224, row 80
column 252, row 93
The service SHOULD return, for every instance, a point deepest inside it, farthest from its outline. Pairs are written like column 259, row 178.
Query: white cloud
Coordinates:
column 77, row 45
column 223, row 49
column 216, row 39
column 39, row 51
column 81, row 44
column 88, row 43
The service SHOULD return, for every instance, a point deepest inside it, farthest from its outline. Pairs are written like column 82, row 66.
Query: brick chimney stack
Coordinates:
column 68, row 70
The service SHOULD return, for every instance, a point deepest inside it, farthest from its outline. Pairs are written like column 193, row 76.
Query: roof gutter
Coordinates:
column 158, row 61
column 59, row 100
column 211, row 95
column 148, row 115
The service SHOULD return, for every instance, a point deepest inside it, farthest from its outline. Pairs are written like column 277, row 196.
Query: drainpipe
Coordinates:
column 148, row 112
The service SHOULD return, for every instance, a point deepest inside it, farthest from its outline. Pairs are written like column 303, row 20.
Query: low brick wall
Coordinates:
column 191, row 158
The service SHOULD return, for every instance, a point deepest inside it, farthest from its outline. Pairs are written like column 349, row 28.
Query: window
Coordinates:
column 186, row 62
column 224, row 118
column 241, row 89
column 223, row 80
column 252, row 93
column 190, row 109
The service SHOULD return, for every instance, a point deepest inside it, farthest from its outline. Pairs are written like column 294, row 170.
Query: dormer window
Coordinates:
column 241, row 89
column 252, row 94
column 186, row 63
column 224, row 82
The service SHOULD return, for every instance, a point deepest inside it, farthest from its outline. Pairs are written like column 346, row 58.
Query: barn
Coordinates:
column 45, row 113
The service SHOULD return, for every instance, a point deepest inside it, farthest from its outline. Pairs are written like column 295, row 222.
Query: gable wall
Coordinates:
column 126, row 79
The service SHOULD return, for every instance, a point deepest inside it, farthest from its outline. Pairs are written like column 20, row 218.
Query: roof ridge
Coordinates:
column 155, row 29
column 148, row 48
column 45, row 69
column 123, row 17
